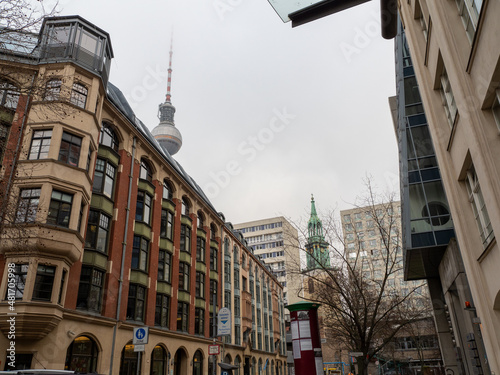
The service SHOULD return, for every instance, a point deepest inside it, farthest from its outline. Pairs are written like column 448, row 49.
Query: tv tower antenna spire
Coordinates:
column 169, row 79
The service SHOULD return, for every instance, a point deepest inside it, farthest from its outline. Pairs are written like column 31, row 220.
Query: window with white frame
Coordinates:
column 448, row 98
column 469, row 12
column 27, row 206
column 40, row 144
column 479, row 206
column 79, row 95
column 52, row 89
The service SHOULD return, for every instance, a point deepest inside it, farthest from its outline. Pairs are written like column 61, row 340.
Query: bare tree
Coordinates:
column 363, row 309
column 20, row 85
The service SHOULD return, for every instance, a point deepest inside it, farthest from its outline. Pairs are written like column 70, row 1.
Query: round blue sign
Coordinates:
column 140, row 333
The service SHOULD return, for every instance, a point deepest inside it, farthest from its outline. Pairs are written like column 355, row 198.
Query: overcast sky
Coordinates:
column 268, row 114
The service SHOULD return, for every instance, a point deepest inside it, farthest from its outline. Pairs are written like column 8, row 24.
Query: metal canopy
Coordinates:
column 304, row 11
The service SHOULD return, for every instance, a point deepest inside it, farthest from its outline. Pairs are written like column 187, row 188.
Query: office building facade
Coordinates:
column 455, row 56
column 372, row 242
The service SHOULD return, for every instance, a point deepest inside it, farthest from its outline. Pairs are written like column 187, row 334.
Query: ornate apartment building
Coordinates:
column 102, row 231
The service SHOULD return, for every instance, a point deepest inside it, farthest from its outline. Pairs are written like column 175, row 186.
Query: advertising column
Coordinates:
column 306, row 341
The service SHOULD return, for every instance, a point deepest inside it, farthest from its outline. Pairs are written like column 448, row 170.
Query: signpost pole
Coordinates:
column 214, row 332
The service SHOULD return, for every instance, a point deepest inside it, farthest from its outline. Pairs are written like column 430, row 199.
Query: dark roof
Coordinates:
column 120, row 102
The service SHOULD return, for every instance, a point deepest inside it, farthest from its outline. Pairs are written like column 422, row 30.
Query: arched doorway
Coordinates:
column 254, row 366
column 82, row 355
column 259, row 368
column 272, row 367
column 180, row 362
column 159, row 361
column 130, row 361
column 198, row 363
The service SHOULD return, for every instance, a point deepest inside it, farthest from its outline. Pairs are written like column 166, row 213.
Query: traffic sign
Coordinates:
column 224, row 322
column 141, row 335
column 213, row 349
column 139, row 348
column 356, row 354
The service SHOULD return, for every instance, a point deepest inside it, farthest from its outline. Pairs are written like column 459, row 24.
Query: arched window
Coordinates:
column 200, row 221
column 226, row 247
column 128, row 363
column 146, row 171
column 108, row 137
column 79, row 95
column 213, row 231
column 167, row 190
column 52, row 89
column 81, row 355
column 254, row 366
column 237, row 362
column 236, row 255
column 198, row 363
column 158, row 361
column 185, row 206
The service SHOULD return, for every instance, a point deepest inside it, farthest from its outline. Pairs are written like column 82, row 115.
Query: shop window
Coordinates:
column 82, row 355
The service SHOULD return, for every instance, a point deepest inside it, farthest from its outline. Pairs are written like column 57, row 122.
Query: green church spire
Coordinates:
column 317, row 248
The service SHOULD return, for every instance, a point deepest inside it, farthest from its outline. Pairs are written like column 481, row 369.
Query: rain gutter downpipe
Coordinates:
column 124, row 249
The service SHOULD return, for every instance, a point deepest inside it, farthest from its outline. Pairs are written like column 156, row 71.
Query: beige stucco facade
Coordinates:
column 456, row 56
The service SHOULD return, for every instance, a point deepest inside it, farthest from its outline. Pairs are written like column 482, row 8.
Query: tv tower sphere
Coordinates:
column 167, row 135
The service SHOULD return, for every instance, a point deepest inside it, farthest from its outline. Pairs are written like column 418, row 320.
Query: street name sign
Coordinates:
column 139, row 348
column 356, row 354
